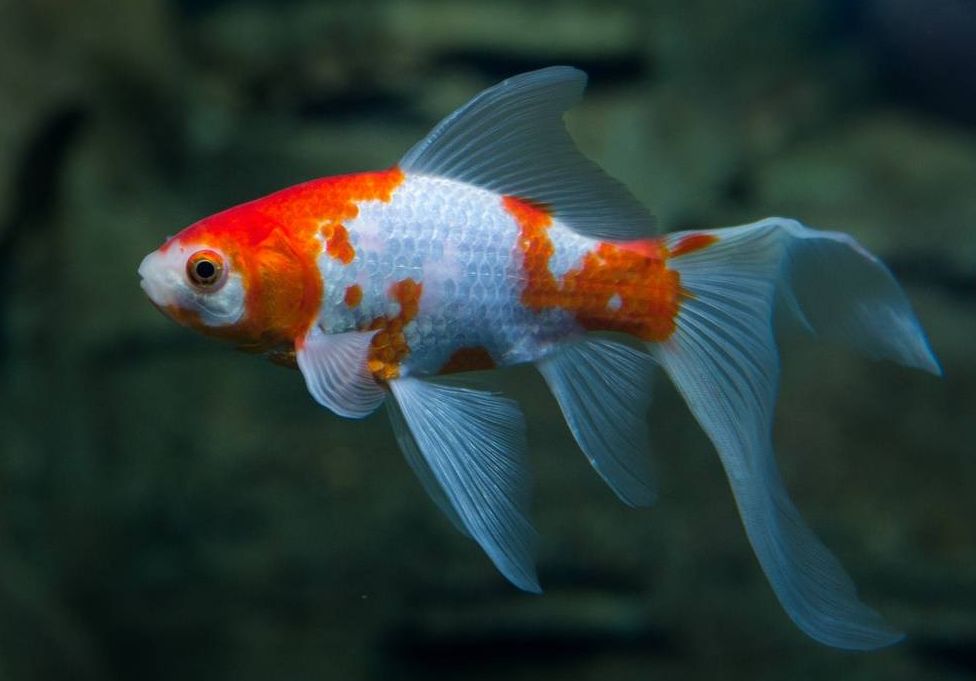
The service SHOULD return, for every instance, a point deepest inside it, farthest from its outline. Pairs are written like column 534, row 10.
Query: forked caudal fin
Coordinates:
column 723, row 360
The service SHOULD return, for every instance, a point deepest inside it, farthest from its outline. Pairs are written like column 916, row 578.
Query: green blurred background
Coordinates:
column 171, row 509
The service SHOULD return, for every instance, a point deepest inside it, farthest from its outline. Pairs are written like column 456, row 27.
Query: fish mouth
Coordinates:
column 144, row 269
column 152, row 280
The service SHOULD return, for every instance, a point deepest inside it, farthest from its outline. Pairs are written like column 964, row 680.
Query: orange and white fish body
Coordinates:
column 454, row 277
column 492, row 243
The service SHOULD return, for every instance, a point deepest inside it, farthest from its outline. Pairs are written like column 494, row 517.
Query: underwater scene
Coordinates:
column 174, row 508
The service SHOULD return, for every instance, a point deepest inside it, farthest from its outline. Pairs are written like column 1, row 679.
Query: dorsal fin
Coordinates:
column 511, row 139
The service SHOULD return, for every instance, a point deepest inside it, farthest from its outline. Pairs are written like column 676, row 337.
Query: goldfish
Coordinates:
column 494, row 242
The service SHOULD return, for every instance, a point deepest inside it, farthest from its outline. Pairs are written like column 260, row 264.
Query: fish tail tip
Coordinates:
column 882, row 639
column 875, row 635
column 924, row 359
column 934, row 366
column 530, row 585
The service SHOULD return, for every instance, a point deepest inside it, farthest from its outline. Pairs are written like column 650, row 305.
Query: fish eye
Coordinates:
column 205, row 269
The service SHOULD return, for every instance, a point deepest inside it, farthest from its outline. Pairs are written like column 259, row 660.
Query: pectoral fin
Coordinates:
column 334, row 367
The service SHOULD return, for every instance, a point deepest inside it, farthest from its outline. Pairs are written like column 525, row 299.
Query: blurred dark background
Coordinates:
column 171, row 509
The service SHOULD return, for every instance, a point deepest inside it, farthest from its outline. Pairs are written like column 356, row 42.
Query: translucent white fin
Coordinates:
column 723, row 360
column 334, row 367
column 604, row 390
column 511, row 139
column 411, row 452
column 836, row 287
column 474, row 445
column 844, row 293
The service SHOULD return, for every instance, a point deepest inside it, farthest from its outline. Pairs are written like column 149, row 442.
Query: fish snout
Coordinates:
column 157, row 279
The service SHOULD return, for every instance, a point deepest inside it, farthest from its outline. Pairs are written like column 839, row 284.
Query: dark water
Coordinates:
column 172, row 509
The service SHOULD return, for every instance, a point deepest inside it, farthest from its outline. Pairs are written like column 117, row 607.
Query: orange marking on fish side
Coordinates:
column 389, row 347
column 337, row 243
column 534, row 222
column 649, row 248
column 691, row 243
column 468, row 359
column 649, row 293
column 353, row 296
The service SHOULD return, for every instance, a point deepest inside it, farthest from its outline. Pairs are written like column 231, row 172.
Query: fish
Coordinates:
column 494, row 242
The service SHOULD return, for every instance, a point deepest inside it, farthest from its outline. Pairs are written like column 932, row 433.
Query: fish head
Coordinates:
column 235, row 275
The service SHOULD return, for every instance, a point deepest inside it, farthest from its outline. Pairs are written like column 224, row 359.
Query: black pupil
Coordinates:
column 205, row 270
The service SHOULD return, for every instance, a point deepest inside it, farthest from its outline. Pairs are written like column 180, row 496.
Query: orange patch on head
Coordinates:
column 331, row 199
column 274, row 244
column 691, row 243
column 328, row 203
column 648, row 292
column 282, row 284
column 353, row 296
column 389, row 347
column 468, row 359
column 344, row 194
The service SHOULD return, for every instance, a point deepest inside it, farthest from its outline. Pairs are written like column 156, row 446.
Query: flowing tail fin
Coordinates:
column 722, row 358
